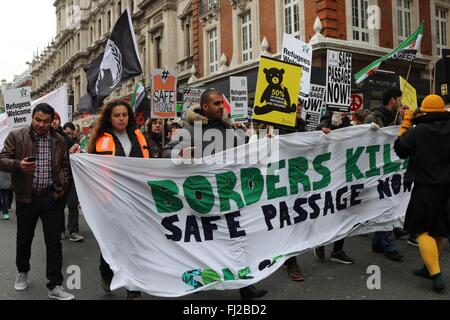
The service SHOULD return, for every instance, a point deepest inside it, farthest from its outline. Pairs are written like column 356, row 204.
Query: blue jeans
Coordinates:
column 5, row 199
column 384, row 240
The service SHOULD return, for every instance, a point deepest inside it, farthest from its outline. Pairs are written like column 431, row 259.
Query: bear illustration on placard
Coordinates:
column 276, row 96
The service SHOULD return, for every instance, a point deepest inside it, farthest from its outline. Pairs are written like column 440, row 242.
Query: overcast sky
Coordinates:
column 25, row 25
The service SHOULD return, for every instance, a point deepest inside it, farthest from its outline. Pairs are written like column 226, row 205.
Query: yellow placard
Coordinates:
column 409, row 94
column 277, row 91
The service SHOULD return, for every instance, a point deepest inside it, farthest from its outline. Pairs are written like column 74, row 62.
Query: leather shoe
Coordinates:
column 294, row 272
column 394, row 256
column 251, row 292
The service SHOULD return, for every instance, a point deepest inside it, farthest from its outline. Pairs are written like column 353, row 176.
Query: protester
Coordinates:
column 71, row 198
column 39, row 181
column 6, row 194
column 334, row 120
column 154, row 132
column 209, row 116
column 116, row 134
column 427, row 145
column 359, row 117
column 384, row 116
column 56, row 124
column 294, row 272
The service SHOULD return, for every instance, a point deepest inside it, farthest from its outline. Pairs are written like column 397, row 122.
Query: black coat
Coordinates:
column 428, row 146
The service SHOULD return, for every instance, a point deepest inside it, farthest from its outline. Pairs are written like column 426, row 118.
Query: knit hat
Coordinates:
column 432, row 103
column 57, row 116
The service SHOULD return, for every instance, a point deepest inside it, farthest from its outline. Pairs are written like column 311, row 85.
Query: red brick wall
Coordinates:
column 310, row 17
column 333, row 16
column 196, row 37
column 386, row 32
column 425, row 15
column 226, row 30
column 268, row 24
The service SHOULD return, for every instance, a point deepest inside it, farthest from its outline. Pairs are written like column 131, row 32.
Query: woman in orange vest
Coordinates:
column 116, row 134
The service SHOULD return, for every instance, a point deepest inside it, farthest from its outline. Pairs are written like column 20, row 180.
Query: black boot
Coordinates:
column 251, row 292
column 438, row 282
column 422, row 272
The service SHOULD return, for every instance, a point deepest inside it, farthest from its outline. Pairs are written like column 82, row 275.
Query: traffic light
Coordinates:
column 442, row 80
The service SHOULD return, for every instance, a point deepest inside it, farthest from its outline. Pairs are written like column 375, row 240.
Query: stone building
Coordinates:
column 207, row 41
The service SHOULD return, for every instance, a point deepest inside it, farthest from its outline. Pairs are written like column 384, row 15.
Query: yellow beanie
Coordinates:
column 433, row 103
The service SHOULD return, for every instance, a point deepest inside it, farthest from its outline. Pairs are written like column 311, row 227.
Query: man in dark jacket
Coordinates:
column 37, row 158
column 209, row 116
column 427, row 145
column 332, row 121
column 384, row 116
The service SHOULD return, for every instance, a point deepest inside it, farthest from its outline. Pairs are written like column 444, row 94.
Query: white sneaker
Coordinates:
column 59, row 293
column 75, row 237
column 21, row 282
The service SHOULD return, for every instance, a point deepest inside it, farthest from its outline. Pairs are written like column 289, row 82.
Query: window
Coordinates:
column 99, row 29
column 158, row 52
column 212, row 4
column 119, row 9
column 291, row 18
column 213, row 51
column 78, row 42
column 441, row 30
column 404, row 19
column 108, row 21
column 91, row 36
column 246, row 30
column 187, row 40
column 359, row 20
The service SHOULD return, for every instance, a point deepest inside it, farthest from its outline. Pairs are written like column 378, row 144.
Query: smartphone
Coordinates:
column 31, row 159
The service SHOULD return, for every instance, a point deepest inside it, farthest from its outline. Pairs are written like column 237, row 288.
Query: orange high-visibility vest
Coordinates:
column 105, row 144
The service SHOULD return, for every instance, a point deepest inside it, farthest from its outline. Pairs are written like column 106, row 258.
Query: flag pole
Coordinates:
column 403, row 90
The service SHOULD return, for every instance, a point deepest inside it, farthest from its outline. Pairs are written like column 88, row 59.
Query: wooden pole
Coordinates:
column 404, row 87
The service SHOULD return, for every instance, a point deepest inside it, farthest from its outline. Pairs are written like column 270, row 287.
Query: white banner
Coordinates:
column 239, row 99
column 58, row 99
column 298, row 52
column 18, row 107
column 3, row 129
column 171, row 230
column 339, row 80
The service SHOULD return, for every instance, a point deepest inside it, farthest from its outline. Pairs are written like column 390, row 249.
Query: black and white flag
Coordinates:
column 119, row 62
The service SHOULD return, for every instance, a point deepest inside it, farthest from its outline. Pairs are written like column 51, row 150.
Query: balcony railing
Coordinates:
column 209, row 7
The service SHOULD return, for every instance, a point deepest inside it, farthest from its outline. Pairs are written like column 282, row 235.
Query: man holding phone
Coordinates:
column 37, row 159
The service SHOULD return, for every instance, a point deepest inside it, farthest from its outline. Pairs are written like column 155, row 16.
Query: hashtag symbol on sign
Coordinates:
column 164, row 75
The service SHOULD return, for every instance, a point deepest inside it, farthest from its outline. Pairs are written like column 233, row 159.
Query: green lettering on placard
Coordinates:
column 199, row 194
column 252, row 185
column 351, row 169
column 297, row 174
column 210, row 276
column 322, row 170
column 164, row 193
column 373, row 171
column 272, row 180
column 225, row 185
column 389, row 166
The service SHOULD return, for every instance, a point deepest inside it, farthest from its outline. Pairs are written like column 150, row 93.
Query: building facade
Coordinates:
column 207, row 41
